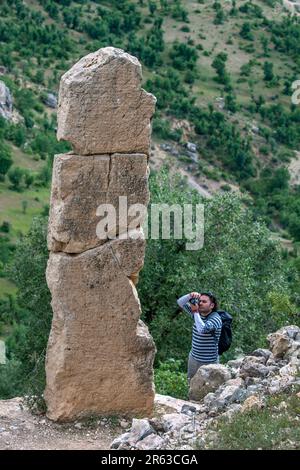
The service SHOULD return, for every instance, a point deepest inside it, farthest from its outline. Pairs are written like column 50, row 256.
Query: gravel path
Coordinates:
column 20, row 430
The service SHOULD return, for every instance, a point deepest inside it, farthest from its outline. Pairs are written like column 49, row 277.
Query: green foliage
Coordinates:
column 224, row 139
column 9, row 386
column 268, row 71
column 219, row 65
column 273, row 428
column 25, row 370
column 183, row 56
column 286, row 37
column 246, row 31
column 15, row 176
column 285, row 123
column 170, row 380
column 30, row 35
column 6, row 246
column 5, row 158
column 148, row 48
column 237, row 259
column 231, row 103
column 220, row 14
column 161, row 128
column 251, row 10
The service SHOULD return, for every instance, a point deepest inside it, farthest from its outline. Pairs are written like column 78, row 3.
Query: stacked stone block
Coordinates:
column 100, row 354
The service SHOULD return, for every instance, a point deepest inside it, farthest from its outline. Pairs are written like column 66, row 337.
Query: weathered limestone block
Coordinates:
column 80, row 184
column 100, row 355
column 102, row 108
column 207, row 379
column 281, row 342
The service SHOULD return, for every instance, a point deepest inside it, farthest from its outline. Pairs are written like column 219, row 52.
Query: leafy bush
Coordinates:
column 170, row 380
column 5, row 158
column 24, row 372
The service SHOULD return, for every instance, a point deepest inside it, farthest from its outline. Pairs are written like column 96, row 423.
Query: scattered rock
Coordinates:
column 188, row 410
column 174, row 421
column 207, row 379
column 282, row 340
column 124, row 424
column 152, row 442
column 252, row 403
column 6, row 102
column 50, row 100
column 191, row 147
column 265, row 353
column 253, row 366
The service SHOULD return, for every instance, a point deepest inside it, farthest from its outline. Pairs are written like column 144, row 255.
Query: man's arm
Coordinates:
column 183, row 303
column 209, row 327
column 183, row 300
column 200, row 325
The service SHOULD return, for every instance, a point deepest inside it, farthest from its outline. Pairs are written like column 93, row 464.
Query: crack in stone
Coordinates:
column 109, row 171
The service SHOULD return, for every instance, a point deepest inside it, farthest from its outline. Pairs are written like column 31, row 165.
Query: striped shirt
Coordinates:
column 206, row 333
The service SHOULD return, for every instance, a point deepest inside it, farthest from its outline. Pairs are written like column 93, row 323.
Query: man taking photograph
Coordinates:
column 206, row 329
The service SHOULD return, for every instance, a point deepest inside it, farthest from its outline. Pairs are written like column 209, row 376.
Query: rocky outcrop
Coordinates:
column 240, row 386
column 7, row 110
column 100, row 354
column 50, row 100
column 6, row 103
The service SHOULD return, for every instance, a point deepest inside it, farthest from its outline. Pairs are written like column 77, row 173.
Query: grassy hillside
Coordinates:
column 222, row 73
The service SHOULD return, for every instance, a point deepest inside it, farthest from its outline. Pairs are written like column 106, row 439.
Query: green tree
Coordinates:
column 24, row 206
column 231, row 103
column 26, row 346
column 239, row 262
column 5, row 159
column 268, row 71
column 219, row 64
column 15, row 176
column 183, row 56
column 246, row 32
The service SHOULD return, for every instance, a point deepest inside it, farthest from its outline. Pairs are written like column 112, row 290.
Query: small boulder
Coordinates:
column 282, row 340
column 207, row 379
column 174, row 421
column 151, row 442
column 253, row 366
column 252, row 403
column 265, row 353
column 191, row 147
column 50, row 100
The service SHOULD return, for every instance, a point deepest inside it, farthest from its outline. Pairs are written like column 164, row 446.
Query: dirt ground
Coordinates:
column 20, row 430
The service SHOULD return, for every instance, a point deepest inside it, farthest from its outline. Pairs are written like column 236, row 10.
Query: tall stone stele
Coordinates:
column 100, row 354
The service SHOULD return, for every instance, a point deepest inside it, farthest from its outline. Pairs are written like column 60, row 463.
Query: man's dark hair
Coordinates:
column 212, row 298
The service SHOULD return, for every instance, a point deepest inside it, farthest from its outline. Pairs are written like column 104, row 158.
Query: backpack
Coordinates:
column 226, row 332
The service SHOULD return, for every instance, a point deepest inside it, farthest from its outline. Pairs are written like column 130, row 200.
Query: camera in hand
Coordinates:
column 194, row 301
